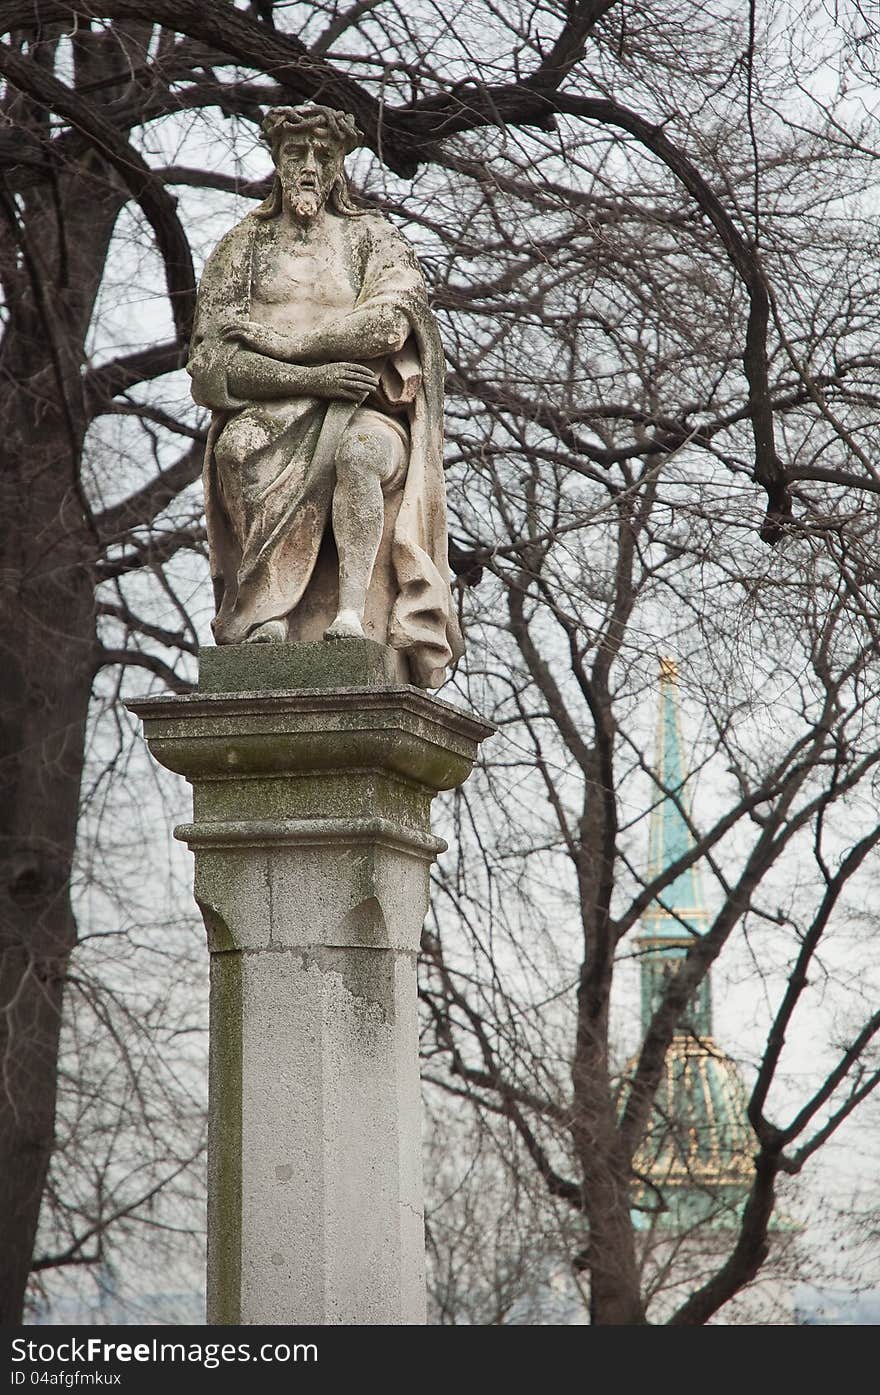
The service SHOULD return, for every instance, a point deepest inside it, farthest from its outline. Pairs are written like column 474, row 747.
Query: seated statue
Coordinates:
column 316, row 351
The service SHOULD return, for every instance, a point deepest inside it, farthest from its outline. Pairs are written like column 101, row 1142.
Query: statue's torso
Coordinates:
column 302, row 278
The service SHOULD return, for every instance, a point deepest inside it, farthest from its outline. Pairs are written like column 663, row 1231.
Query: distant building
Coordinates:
column 697, row 1157
column 696, row 1163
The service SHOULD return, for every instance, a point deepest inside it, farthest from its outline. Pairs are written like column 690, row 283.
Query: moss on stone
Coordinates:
column 336, row 794
column 224, row 1142
column 346, row 663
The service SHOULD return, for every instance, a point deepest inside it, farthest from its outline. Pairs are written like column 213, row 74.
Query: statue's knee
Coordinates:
column 362, row 452
column 241, row 438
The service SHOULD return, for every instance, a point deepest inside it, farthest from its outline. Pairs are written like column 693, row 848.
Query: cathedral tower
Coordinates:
column 697, row 1157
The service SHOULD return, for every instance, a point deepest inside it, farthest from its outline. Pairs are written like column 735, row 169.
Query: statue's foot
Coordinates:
column 347, row 625
column 270, row 632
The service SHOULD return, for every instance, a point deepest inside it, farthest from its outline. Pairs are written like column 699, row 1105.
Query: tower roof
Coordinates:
column 699, row 1146
column 697, row 1150
column 680, row 910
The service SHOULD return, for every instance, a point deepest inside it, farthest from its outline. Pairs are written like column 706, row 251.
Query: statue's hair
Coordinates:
column 338, row 127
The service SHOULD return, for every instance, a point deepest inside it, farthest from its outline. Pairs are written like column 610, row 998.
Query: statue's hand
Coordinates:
column 350, row 381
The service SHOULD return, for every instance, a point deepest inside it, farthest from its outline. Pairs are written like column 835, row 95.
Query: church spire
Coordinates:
column 680, row 908
column 678, row 916
column 698, row 1145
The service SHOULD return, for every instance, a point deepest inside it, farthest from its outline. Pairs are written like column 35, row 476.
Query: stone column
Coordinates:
column 312, row 777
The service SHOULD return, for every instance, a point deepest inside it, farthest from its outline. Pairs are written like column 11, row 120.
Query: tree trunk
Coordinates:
column 53, row 248
column 615, row 1288
column 47, row 650
column 615, row 1285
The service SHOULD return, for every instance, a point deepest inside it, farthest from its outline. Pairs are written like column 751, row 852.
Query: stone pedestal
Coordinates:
column 312, row 780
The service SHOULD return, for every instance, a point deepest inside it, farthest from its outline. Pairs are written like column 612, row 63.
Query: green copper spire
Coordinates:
column 698, row 1145
column 672, row 922
column 680, row 908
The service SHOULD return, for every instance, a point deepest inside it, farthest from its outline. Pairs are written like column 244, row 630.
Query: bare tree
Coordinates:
column 647, row 234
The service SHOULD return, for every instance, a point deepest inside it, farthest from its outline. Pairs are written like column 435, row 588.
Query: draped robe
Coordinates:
column 269, row 471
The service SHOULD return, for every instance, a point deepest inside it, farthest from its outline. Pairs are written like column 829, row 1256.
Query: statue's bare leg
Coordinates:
column 370, row 454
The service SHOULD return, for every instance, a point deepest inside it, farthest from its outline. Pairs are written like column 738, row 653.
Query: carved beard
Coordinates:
column 306, row 203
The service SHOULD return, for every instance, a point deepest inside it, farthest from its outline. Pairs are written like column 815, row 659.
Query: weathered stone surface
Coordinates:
column 330, row 1224
column 354, row 663
column 317, row 352
column 312, row 842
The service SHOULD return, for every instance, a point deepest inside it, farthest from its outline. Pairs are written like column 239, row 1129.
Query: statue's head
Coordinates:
column 309, row 144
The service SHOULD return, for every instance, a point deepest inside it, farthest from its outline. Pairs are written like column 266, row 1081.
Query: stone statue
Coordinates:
column 316, row 350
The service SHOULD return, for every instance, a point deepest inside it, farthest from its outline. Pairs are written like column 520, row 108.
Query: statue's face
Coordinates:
column 308, row 165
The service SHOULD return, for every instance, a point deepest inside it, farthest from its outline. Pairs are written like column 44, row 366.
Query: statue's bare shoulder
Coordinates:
column 383, row 233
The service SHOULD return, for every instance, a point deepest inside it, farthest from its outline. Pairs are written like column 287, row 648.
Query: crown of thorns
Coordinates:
column 336, row 126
